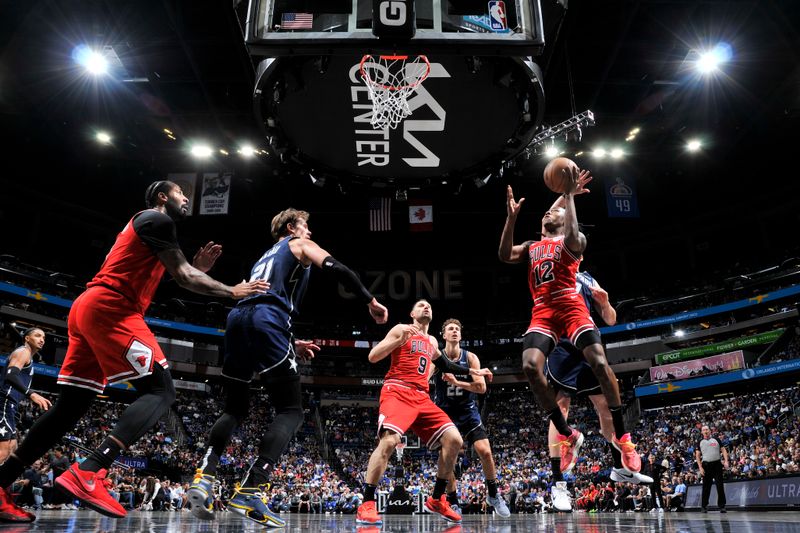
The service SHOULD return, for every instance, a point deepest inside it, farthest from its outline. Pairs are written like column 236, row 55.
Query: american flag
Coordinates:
column 297, row 21
column 380, row 214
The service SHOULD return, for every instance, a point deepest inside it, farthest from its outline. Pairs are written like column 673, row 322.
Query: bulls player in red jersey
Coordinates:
column 405, row 404
column 559, row 311
column 109, row 341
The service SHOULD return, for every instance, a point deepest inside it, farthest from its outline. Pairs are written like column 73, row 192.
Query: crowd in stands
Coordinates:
column 761, row 432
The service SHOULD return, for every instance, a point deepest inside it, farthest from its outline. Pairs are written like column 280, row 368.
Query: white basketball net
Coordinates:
column 391, row 80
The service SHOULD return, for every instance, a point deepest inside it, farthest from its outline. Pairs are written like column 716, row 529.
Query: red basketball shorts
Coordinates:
column 403, row 407
column 108, row 342
column 565, row 316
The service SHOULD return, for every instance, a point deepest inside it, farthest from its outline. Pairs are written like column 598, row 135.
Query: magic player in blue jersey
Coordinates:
column 16, row 385
column 259, row 340
column 569, row 373
column 457, row 396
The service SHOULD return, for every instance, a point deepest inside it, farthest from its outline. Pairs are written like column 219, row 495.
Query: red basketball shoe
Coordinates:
column 627, row 449
column 11, row 512
column 89, row 488
column 442, row 507
column 570, row 446
column 368, row 514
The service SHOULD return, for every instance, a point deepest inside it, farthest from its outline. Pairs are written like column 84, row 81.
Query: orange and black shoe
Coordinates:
column 11, row 512
column 368, row 514
column 442, row 508
column 89, row 488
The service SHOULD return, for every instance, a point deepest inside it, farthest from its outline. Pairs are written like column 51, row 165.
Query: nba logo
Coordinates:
column 497, row 15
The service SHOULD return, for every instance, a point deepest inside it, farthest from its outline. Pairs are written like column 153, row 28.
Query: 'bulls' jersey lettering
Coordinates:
column 412, row 360
column 552, row 270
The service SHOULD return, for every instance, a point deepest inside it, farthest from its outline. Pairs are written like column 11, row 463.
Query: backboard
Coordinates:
column 478, row 108
column 479, row 27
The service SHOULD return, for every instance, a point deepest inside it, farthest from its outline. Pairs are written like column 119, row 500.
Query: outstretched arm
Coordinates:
column 573, row 238
column 312, row 253
column 508, row 252
column 603, row 306
column 197, row 281
column 446, row 366
column 478, row 385
column 583, row 180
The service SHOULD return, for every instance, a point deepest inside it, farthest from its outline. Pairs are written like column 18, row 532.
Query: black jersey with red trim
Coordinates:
column 132, row 267
column 552, row 269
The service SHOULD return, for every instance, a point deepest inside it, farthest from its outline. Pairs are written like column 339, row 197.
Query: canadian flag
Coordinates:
column 420, row 215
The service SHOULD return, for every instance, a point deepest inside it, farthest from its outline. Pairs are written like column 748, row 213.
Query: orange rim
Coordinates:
column 394, row 58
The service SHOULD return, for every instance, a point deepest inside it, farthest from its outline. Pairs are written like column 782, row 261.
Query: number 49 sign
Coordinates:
column 621, row 199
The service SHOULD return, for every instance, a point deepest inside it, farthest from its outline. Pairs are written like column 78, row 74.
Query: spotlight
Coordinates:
column 599, row 153
column 710, row 61
column 617, row 153
column 694, row 145
column 103, row 137
column 634, row 131
column 96, row 64
column 551, row 151
column 679, row 333
column 247, row 151
column 201, row 151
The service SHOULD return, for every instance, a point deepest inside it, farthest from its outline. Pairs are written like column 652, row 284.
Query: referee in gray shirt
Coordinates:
column 707, row 454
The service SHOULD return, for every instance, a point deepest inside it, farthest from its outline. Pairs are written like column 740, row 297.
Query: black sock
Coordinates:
column 259, row 473
column 491, row 486
column 439, row 488
column 369, row 492
column 103, row 456
column 619, row 421
column 555, row 465
column 616, row 455
column 210, row 462
column 11, row 470
column 558, row 420
column 452, row 497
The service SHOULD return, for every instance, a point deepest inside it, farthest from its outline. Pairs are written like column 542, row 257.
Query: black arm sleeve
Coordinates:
column 348, row 278
column 13, row 379
column 157, row 230
column 446, row 366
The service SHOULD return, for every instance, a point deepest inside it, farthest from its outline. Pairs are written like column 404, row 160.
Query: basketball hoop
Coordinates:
column 391, row 80
column 399, row 450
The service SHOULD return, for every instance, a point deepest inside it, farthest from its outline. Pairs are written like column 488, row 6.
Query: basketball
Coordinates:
column 554, row 178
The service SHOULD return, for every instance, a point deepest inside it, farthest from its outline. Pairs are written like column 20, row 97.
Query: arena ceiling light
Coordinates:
column 694, row 145
column 551, row 151
column 711, row 60
column 616, row 153
column 93, row 61
column 102, row 137
column 599, row 153
column 246, row 151
column 201, row 151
